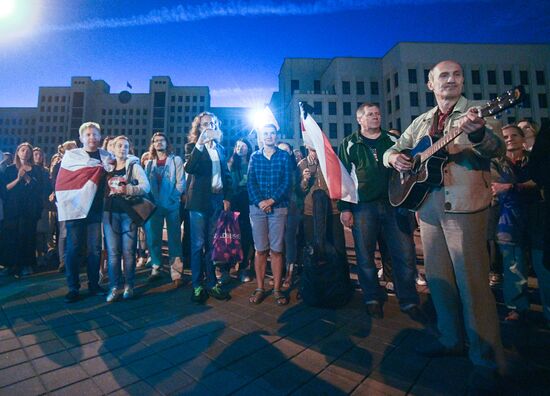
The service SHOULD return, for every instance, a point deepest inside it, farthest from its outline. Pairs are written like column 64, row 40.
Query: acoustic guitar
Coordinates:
column 409, row 189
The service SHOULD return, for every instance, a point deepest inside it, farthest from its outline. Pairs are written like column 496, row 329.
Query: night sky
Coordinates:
column 234, row 47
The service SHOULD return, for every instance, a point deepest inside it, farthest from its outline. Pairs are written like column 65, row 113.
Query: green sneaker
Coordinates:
column 199, row 295
column 218, row 293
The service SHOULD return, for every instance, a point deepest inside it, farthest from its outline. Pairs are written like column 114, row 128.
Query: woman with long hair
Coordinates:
column 26, row 191
column 127, row 179
column 208, row 193
column 43, row 225
column 238, row 168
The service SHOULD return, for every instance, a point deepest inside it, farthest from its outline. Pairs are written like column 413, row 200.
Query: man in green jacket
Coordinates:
column 361, row 153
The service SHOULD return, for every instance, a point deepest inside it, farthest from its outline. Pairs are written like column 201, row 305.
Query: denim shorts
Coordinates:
column 268, row 229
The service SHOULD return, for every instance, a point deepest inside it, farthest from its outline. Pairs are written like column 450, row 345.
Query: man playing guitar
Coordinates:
column 453, row 221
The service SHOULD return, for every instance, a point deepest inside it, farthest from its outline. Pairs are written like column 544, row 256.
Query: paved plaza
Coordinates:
column 161, row 343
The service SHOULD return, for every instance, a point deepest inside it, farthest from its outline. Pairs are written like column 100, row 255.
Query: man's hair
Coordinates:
column 88, row 125
column 361, row 109
column 17, row 160
column 272, row 126
column 514, row 126
column 153, row 152
column 431, row 73
column 195, row 130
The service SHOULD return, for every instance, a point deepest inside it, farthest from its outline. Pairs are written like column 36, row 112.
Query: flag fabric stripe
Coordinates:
column 77, row 183
column 75, row 180
column 340, row 184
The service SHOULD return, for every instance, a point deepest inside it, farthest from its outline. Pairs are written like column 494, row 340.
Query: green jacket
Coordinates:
column 370, row 173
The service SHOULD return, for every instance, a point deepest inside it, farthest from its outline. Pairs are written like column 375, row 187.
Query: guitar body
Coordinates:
column 409, row 189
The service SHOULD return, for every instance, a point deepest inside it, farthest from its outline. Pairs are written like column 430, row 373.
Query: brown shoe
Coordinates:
column 177, row 283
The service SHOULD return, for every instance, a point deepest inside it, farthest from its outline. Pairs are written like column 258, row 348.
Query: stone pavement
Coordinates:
column 160, row 343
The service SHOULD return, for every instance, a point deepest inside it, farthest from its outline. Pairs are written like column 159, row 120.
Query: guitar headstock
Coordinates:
column 508, row 99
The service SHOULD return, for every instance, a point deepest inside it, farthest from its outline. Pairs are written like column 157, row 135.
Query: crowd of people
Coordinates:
column 487, row 216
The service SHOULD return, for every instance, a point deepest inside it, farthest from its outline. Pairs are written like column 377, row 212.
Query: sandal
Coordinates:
column 280, row 298
column 257, row 296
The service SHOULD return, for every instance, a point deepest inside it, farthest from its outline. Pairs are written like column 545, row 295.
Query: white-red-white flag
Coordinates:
column 340, row 184
column 77, row 183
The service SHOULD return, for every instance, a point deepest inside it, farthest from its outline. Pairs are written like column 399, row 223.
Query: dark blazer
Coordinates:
column 199, row 181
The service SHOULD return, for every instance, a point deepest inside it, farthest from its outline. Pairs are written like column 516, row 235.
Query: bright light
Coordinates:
column 7, row 8
column 18, row 18
column 257, row 118
column 261, row 117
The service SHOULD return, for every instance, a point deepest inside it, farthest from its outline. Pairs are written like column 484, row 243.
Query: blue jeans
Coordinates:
column 369, row 219
column 120, row 235
column 516, row 295
column 203, row 226
column 82, row 236
column 153, row 232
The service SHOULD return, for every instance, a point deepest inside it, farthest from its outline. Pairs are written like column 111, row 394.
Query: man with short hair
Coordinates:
column 166, row 177
column 361, row 152
column 453, row 224
column 79, row 191
column 269, row 188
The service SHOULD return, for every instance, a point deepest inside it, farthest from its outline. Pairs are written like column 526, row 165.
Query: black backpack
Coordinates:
column 325, row 280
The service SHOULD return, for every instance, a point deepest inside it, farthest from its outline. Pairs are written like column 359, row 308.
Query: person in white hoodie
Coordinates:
column 127, row 178
column 166, row 176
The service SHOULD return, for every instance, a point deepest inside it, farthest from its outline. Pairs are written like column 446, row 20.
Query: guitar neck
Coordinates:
column 509, row 99
column 445, row 140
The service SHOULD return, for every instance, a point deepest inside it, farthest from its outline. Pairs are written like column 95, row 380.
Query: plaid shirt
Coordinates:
column 269, row 178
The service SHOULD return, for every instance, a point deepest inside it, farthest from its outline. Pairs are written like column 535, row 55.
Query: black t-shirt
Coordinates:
column 96, row 211
column 371, row 144
column 113, row 202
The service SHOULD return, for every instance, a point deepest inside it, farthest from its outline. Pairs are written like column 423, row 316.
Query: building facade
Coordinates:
column 61, row 111
column 333, row 87
column 397, row 82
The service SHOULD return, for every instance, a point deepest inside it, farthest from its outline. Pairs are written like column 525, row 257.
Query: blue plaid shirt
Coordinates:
column 269, row 178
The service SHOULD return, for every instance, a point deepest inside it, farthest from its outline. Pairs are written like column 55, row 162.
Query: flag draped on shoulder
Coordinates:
column 77, row 183
column 340, row 184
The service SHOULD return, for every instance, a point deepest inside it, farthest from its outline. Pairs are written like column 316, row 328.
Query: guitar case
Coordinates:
column 325, row 280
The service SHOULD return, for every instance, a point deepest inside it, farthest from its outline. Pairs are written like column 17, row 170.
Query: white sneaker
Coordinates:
column 128, row 293
column 390, row 289
column 421, row 279
column 113, row 295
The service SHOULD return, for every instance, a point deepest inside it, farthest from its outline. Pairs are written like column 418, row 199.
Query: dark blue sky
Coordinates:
column 235, row 47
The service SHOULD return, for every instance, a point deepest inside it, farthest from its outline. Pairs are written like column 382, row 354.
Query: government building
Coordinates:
column 397, row 83
column 333, row 87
